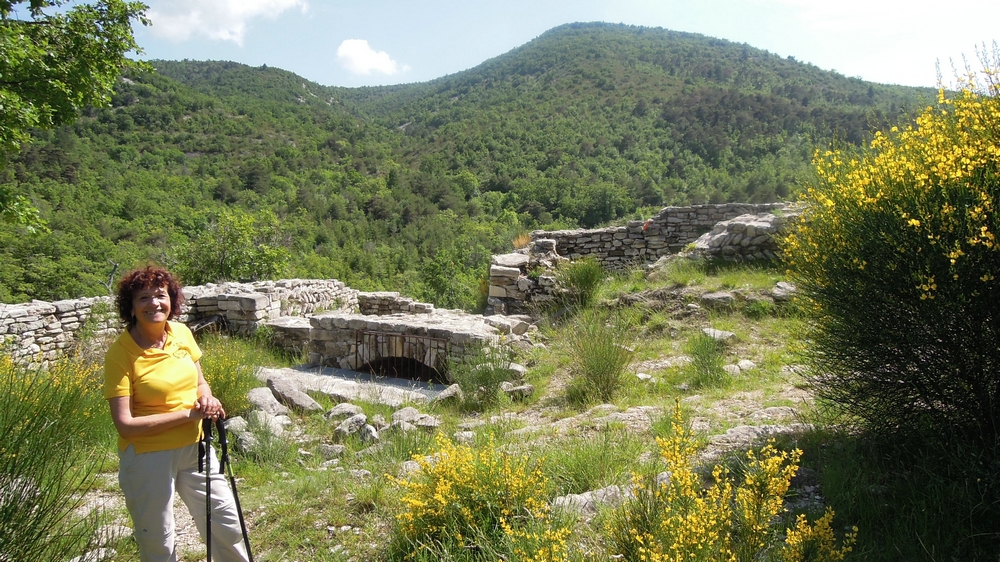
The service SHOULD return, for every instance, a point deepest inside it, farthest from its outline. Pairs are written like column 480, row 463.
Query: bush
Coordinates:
column 488, row 504
column 897, row 255
column 51, row 423
column 707, row 359
column 602, row 347
column 680, row 519
column 582, row 279
column 480, row 373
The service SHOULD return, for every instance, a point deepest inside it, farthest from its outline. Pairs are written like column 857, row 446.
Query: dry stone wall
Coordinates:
column 243, row 307
column 352, row 340
column 37, row 332
column 523, row 281
column 668, row 232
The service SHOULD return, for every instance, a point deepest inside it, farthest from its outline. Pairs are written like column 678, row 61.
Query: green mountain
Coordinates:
column 412, row 187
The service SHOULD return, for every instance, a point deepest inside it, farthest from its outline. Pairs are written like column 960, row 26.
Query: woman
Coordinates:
column 158, row 397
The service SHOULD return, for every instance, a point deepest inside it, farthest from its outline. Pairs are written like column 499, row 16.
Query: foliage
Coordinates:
column 897, row 256
column 50, row 422
column 585, row 463
column 679, row 519
column 412, row 187
column 485, row 500
column 707, row 359
column 479, row 374
column 602, row 347
column 52, row 66
column 911, row 497
column 229, row 365
column 236, row 246
column 581, row 278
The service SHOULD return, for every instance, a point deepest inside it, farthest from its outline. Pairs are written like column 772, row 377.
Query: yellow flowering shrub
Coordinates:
column 816, row 542
column 488, row 500
column 51, row 421
column 895, row 255
column 726, row 521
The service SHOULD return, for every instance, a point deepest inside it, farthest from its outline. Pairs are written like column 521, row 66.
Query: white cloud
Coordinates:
column 224, row 20
column 359, row 58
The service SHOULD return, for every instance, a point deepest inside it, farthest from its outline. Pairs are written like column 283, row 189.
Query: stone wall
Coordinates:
column 746, row 237
column 385, row 303
column 434, row 338
column 37, row 332
column 640, row 242
column 243, row 307
column 523, row 281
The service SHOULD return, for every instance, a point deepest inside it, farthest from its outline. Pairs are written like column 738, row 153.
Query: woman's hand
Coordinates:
column 208, row 406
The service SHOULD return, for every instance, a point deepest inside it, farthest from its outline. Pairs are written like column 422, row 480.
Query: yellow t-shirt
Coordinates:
column 158, row 381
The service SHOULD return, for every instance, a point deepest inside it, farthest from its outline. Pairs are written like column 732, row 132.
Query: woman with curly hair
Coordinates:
column 158, row 397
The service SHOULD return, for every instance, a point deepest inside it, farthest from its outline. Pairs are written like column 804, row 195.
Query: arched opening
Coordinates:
column 404, row 368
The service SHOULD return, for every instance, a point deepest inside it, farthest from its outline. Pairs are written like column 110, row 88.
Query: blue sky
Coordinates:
column 372, row 42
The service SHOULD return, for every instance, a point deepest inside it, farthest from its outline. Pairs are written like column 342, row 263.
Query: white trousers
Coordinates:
column 149, row 481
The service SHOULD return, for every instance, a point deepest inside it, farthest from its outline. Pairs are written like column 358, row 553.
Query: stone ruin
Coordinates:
column 341, row 327
column 525, row 280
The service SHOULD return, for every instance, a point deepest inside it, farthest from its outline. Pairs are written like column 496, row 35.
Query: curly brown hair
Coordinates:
column 148, row 277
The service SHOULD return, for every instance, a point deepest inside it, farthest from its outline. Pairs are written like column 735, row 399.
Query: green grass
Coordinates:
column 229, row 364
column 910, row 504
column 602, row 346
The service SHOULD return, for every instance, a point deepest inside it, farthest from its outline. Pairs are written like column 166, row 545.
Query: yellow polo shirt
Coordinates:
column 158, row 381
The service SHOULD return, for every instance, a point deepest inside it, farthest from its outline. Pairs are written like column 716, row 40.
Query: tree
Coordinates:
column 53, row 63
column 237, row 246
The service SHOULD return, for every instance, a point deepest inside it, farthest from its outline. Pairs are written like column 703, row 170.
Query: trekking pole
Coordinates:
column 224, row 466
column 206, row 426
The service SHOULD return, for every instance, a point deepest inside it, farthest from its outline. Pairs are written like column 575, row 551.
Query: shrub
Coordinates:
column 602, row 347
column 51, row 422
column 485, row 501
column 897, row 255
column 680, row 519
column 480, row 373
column 707, row 359
column 581, row 279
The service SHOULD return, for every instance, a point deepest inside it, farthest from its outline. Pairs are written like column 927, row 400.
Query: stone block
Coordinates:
column 498, row 292
column 504, row 272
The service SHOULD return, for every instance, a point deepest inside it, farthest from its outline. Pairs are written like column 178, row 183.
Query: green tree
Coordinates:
column 53, row 64
column 236, row 246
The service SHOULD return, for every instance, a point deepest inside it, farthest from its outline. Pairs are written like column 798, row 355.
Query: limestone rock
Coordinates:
column 452, row 393
column 351, row 425
column 517, row 392
column 343, row 410
column 263, row 399
column 330, row 452
column 718, row 300
column 289, row 394
column 510, row 260
column 783, row 291
column 720, row 335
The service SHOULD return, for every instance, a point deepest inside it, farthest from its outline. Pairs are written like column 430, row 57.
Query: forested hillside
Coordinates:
column 227, row 171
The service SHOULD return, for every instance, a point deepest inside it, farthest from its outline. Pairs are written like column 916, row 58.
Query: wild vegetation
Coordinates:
column 888, row 351
column 412, row 187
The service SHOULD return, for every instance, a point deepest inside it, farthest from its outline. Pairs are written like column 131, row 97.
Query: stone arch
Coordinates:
column 394, row 349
